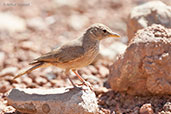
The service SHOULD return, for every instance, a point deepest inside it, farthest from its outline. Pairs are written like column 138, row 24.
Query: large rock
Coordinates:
column 145, row 67
column 154, row 12
column 54, row 101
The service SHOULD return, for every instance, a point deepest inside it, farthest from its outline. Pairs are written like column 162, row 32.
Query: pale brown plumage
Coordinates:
column 75, row 54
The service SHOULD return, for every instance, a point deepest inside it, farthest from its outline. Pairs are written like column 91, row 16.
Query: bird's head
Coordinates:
column 100, row 31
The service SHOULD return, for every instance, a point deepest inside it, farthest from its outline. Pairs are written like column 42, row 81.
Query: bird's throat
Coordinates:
column 89, row 43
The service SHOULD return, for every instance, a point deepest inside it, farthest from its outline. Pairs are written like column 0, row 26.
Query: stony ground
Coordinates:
column 45, row 25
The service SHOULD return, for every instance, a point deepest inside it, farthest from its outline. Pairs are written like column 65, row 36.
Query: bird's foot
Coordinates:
column 74, row 87
column 87, row 84
column 79, row 87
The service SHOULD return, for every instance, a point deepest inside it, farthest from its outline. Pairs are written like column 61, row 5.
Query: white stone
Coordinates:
column 11, row 23
column 77, row 22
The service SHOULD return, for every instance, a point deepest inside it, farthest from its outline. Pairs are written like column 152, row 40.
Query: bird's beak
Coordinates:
column 115, row 35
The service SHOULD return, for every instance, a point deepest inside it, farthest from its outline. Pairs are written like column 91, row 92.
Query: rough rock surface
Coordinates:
column 54, row 101
column 146, row 109
column 154, row 12
column 145, row 67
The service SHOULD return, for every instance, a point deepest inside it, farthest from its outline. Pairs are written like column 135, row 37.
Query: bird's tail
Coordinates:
column 29, row 70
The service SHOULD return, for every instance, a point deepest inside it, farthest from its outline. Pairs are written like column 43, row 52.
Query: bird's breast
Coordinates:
column 86, row 59
column 82, row 61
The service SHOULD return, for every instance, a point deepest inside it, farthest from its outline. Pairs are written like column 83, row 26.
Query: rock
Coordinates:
column 11, row 23
column 103, row 71
column 60, row 3
column 162, row 112
column 153, row 12
column 36, row 23
column 100, row 90
column 95, row 80
column 40, row 81
column 2, row 107
column 47, row 85
column 2, row 59
column 167, row 107
column 146, row 109
column 54, row 101
column 50, row 20
column 92, row 69
column 118, row 47
column 77, row 22
column 26, row 80
column 85, row 70
column 8, row 110
column 4, row 86
column 112, row 51
column 145, row 67
column 28, row 45
column 8, row 71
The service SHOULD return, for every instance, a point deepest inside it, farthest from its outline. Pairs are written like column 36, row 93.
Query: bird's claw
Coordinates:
column 87, row 84
column 74, row 87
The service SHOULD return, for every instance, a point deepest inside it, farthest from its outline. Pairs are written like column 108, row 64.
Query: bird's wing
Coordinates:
column 63, row 54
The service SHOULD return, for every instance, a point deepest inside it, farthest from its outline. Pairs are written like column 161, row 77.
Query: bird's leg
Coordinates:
column 82, row 80
column 72, row 82
column 67, row 73
column 75, row 87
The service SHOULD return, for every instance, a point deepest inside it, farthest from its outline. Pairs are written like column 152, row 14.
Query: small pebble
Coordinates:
column 9, row 71
column 146, row 109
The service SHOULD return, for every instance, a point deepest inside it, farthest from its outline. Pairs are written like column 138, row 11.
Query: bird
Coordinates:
column 76, row 53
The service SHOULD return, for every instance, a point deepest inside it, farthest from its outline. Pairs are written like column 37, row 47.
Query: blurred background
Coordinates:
column 30, row 28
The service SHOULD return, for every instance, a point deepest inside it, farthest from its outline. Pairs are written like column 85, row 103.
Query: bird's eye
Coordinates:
column 104, row 31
